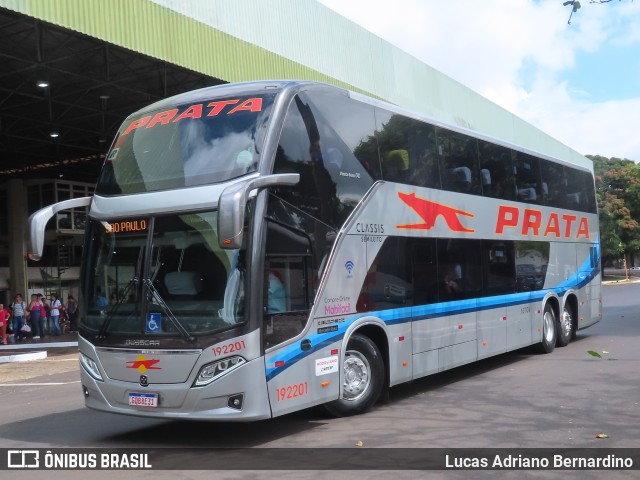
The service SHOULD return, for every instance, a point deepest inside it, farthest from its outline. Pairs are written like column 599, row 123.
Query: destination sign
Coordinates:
column 126, row 226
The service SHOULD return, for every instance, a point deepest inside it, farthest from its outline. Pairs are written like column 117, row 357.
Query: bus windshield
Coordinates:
column 161, row 275
column 187, row 145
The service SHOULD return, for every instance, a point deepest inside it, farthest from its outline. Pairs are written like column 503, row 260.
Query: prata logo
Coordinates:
column 430, row 211
column 349, row 266
column 142, row 364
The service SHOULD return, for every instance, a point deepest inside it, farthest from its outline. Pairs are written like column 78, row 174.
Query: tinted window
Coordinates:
column 554, row 184
column 496, row 171
column 340, row 150
column 589, row 189
column 580, row 192
column 532, row 260
column 526, row 169
column 345, row 129
column 388, row 281
column 425, row 271
column 333, row 178
column 458, row 155
column 459, row 269
column 287, row 283
column 319, row 234
column 498, row 259
column 407, row 150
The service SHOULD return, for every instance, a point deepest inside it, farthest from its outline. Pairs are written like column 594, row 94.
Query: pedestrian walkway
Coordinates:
column 30, row 349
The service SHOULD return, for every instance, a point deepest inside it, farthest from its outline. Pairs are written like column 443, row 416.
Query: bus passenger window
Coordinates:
column 498, row 267
column 526, row 169
column 532, row 261
column 554, row 184
column 388, row 281
column 496, row 171
column 425, row 271
column 395, row 165
column 579, row 192
column 460, row 269
column 459, row 168
column 408, row 150
column 322, row 140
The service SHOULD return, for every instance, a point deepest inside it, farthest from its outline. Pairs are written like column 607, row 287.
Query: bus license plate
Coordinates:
column 143, row 399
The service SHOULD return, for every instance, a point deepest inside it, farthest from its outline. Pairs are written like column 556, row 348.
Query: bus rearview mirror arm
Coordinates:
column 233, row 201
column 39, row 219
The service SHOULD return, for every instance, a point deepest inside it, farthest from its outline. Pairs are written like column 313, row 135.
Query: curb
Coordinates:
column 23, row 357
column 37, row 346
column 36, row 351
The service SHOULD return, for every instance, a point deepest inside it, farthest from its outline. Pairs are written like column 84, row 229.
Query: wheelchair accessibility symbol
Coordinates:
column 154, row 323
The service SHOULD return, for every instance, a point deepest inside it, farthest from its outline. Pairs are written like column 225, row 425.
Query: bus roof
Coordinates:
column 278, row 86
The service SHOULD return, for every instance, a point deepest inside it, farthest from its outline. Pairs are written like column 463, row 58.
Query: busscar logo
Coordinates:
column 430, row 211
column 142, row 364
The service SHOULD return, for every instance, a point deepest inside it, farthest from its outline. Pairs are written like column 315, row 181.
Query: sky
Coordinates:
column 580, row 83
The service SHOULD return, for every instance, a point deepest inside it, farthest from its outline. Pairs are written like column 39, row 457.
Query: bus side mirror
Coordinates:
column 233, row 201
column 39, row 219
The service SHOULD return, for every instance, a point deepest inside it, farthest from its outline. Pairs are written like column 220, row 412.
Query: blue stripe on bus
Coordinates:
column 292, row 354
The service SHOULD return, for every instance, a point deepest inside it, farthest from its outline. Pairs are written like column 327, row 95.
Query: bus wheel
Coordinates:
column 363, row 378
column 566, row 330
column 549, row 330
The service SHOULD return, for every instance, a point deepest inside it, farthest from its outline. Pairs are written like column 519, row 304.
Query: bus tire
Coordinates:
column 363, row 378
column 566, row 327
column 549, row 330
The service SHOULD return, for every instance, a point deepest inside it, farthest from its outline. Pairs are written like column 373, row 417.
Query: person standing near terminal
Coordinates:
column 44, row 314
column 54, row 313
column 35, row 314
column 70, row 307
column 4, row 321
column 18, row 308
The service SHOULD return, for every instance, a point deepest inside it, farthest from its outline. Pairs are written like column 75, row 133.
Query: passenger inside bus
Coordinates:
column 276, row 293
column 453, row 279
column 395, row 165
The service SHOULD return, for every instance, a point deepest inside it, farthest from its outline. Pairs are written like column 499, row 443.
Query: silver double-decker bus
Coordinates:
column 255, row 249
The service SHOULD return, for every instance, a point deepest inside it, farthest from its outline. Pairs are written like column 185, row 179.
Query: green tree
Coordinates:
column 618, row 194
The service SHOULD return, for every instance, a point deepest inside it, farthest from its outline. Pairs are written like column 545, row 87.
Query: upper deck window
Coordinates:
column 322, row 139
column 187, row 145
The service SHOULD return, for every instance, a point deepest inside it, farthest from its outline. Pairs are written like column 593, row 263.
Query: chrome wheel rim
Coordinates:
column 565, row 323
column 548, row 327
column 357, row 377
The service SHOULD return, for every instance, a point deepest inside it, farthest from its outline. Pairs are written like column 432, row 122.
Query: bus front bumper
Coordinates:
column 240, row 395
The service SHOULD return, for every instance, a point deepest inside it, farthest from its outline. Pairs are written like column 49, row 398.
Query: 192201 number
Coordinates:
column 229, row 348
column 292, row 391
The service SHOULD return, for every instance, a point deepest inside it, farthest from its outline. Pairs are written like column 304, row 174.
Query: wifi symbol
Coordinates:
column 349, row 266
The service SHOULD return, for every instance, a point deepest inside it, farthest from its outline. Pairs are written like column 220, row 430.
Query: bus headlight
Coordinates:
column 90, row 366
column 211, row 371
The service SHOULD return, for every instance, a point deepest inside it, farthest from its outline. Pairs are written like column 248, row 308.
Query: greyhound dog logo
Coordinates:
column 430, row 211
column 142, row 364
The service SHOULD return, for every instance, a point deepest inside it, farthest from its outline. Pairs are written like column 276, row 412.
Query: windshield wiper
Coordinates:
column 167, row 311
column 107, row 321
column 134, row 281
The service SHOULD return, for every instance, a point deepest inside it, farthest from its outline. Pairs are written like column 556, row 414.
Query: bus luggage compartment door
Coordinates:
column 297, row 380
